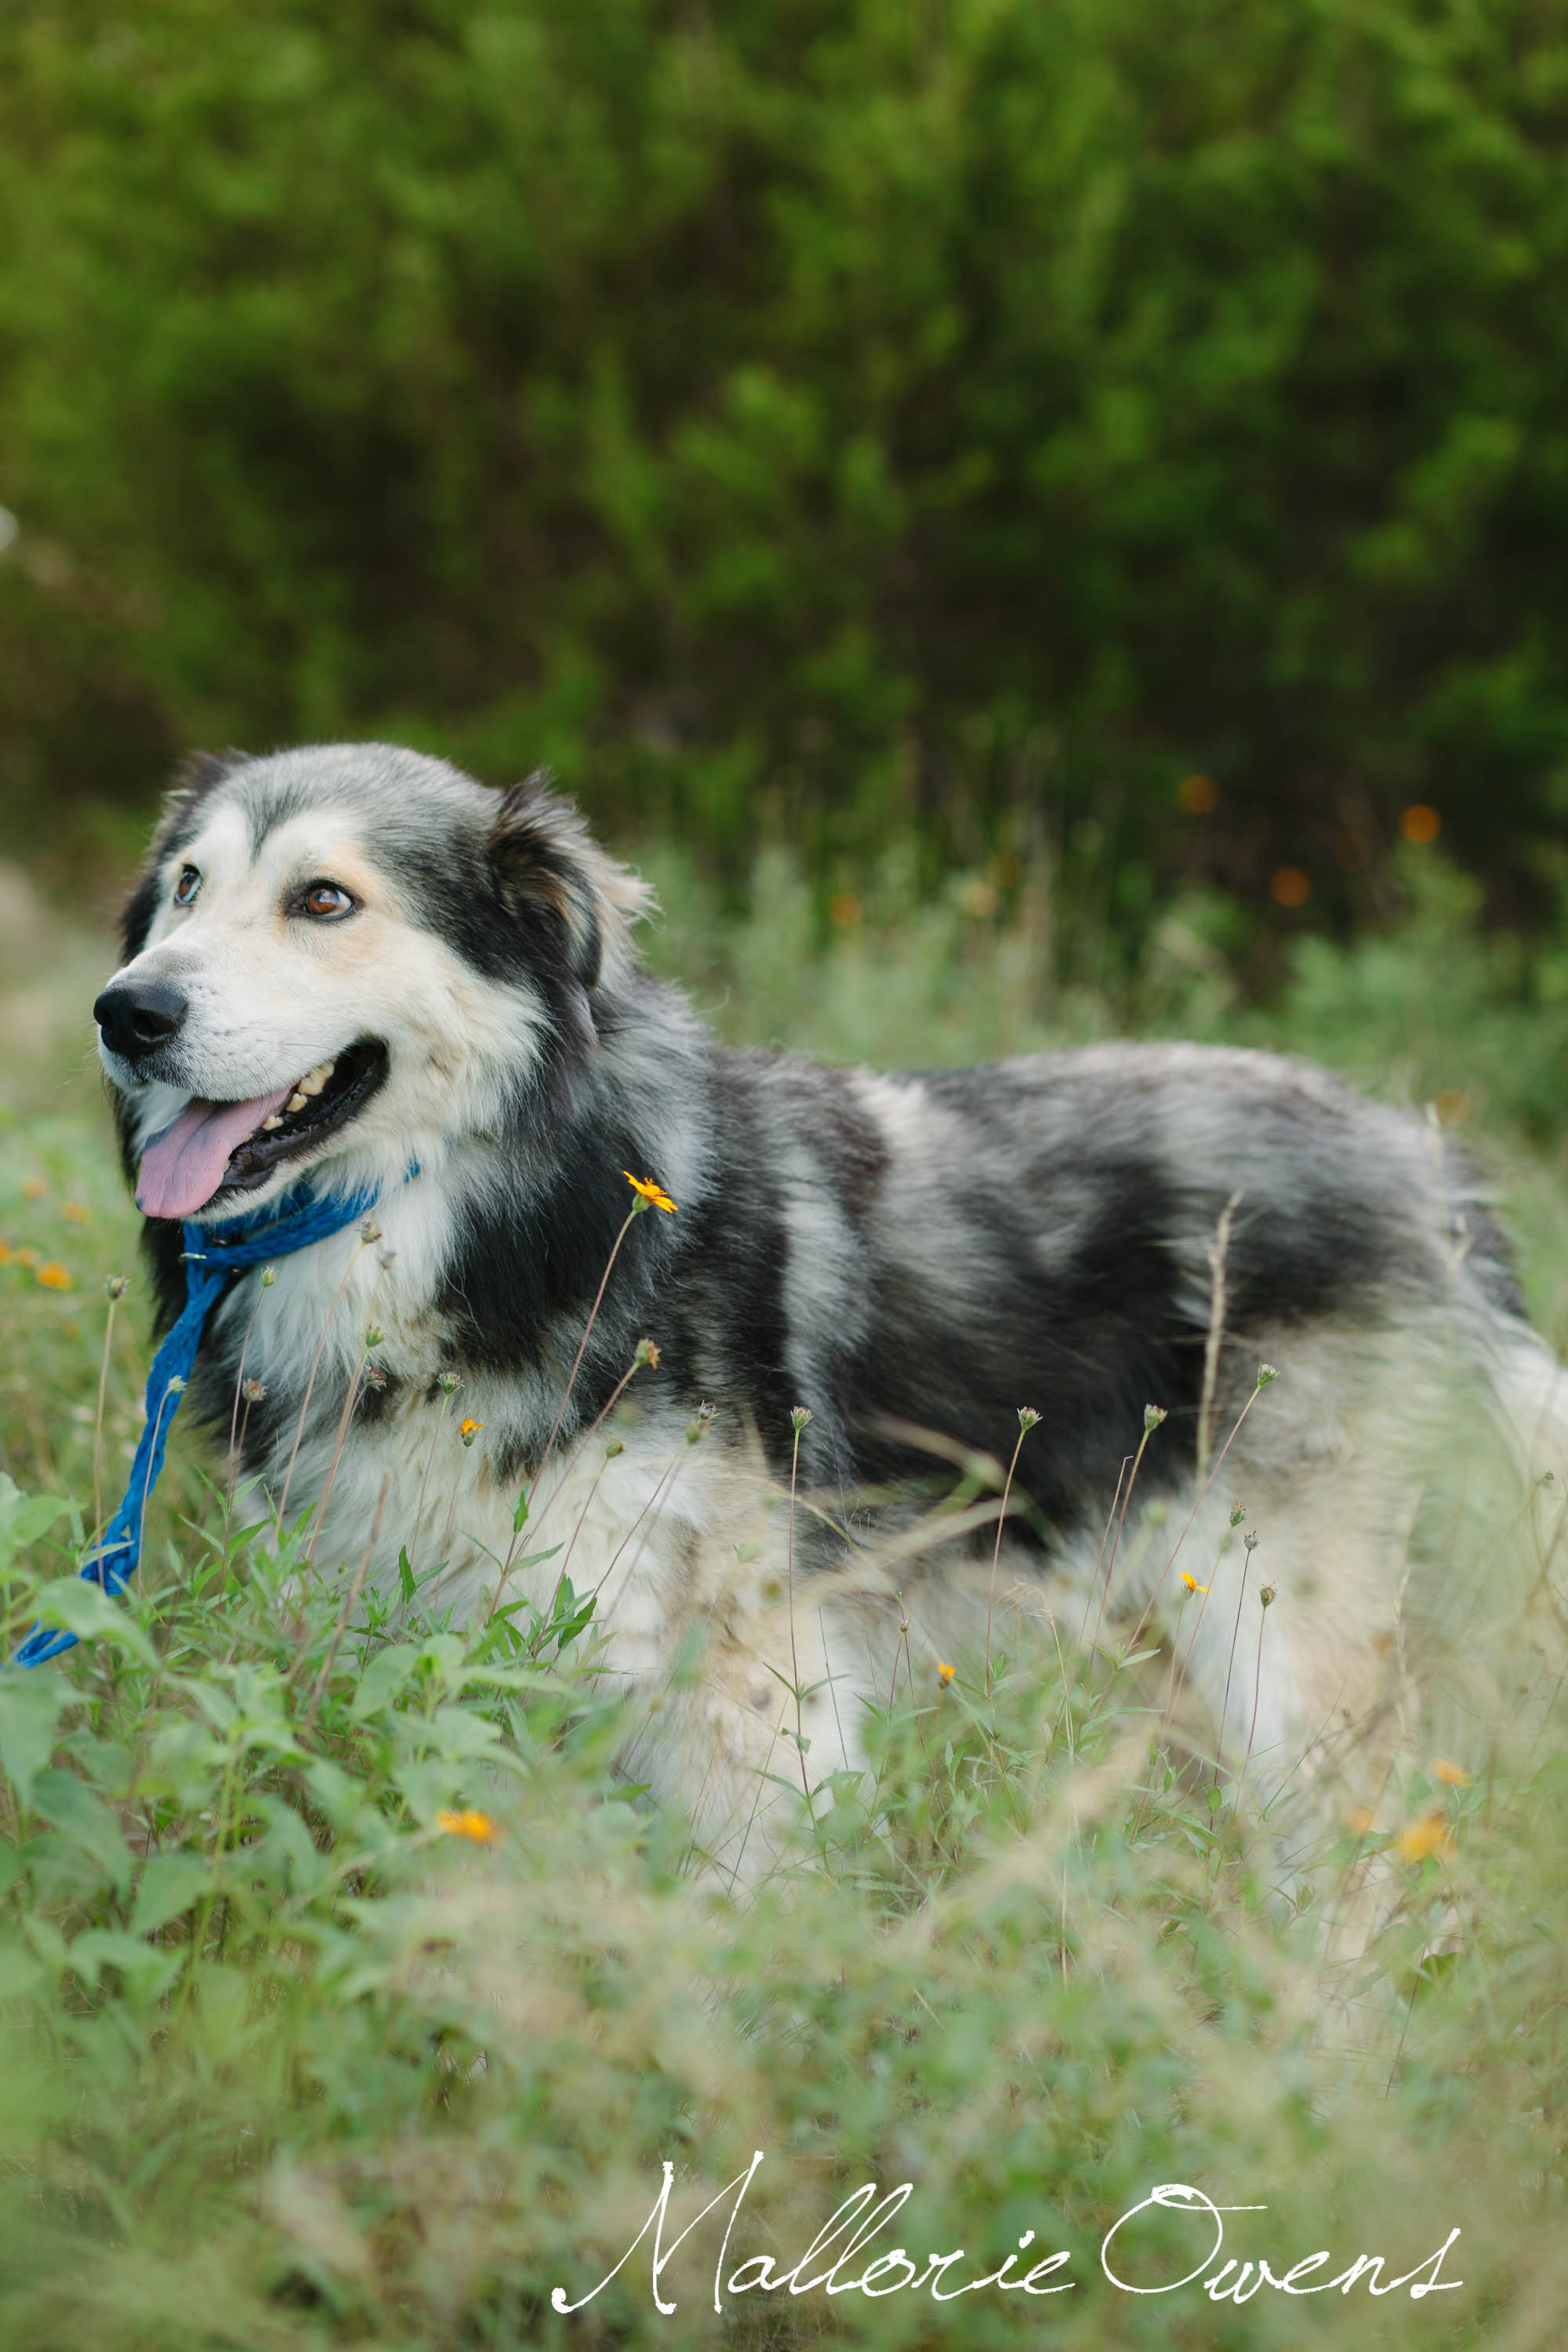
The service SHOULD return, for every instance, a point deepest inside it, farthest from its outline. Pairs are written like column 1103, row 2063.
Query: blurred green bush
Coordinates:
column 808, row 417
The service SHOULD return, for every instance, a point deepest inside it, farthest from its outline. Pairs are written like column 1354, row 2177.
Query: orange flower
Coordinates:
column 943, row 1674
column 470, row 1823
column 648, row 1191
column 1453, row 1776
column 1191, row 1581
column 1420, row 823
column 1428, row 1834
column 73, row 1213
column 469, row 1429
column 33, row 1188
column 26, row 1257
column 54, row 1277
column 1360, row 1820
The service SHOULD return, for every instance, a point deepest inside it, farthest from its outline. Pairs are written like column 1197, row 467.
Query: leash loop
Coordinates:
column 209, row 1257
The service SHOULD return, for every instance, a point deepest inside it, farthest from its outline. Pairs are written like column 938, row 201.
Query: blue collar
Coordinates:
column 212, row 1254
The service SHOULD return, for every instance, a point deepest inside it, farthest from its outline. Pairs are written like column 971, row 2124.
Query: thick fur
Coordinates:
column 911, row 1257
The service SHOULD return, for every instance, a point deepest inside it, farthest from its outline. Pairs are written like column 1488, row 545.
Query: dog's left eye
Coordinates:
column 325, row 900
column 186, row 888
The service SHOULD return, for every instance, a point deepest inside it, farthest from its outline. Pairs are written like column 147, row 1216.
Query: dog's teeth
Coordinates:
column 295, row 1102
column 327, row 1069
column 313, row 1083
column 268, row 1124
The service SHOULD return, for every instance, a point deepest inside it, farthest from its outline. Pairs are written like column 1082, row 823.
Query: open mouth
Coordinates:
column 214, row 1148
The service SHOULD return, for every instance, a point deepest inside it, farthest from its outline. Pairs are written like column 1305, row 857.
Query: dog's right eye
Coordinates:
column 186, row 888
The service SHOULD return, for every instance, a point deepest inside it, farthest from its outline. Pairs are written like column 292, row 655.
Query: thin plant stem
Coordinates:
column 635, row 1212
column 350, row 1403
column 1149, row 1429
column 309, row 1386
column 1217, row 1250
column 1024, row 1428
column 446, row 1396
column 1100, row 1555
column 1170, row 1677
column 346, row 1611
column 174, row 1389
column 756, row 1800
column 1201, row 1498
column 98, row 1422
column 587, row 1507
column 1257, row 1692
column 1178, row 1675
column 832, row 1681
column 228, row 1509
column 1248, row 1543
column 447, row 1540
column 235, row 1438
column 597, row 1423
column 800, row 1419
column 902, row 1642
column 657, row 1498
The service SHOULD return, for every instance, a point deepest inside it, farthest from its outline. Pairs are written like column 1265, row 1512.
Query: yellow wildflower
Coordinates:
column 1428, row 1834
column 7, row 1253
column 469, row 1429
column 647, row 1190
column 26, row 1257
column 33, row 1188
column 73, row 1213
column 54, row 1277
column 1191, row 1581
column 468, row 1823
column 944, row 1673
column 1360, row 1820
column 1453, row 1776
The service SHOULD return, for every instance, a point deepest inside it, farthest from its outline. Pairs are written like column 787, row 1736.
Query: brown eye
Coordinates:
column 186, row 888
column 324, row 899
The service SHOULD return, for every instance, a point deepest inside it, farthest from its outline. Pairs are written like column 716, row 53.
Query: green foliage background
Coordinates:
column 805, row 415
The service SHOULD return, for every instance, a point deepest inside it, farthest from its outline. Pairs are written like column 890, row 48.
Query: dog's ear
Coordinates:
column 196, row 778
column 548, row 863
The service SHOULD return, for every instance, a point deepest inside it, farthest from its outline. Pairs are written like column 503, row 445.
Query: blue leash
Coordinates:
column 211, row 1254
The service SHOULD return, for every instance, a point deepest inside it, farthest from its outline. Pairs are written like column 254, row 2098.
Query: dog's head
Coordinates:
column 348, row 953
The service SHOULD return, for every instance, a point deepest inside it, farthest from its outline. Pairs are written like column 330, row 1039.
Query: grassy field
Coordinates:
column 289, row 2063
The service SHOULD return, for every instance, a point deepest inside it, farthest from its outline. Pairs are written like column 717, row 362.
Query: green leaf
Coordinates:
column 170, row 1884
column 147, row 1969
column 84, row 1608
column 30, row 1703
column 85, row 1821
column 21, row 1974
column 533, row 1558
column 384, row 1679
column 24, row 1517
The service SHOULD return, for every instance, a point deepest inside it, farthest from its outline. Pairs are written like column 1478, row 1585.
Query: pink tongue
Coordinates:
column 183, row 1168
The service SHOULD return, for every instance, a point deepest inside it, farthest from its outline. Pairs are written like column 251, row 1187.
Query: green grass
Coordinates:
column 285, row 2065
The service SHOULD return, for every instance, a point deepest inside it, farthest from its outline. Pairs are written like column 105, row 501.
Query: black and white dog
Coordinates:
column 346, row 960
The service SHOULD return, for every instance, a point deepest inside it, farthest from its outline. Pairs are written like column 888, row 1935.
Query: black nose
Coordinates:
column 137, row 1015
